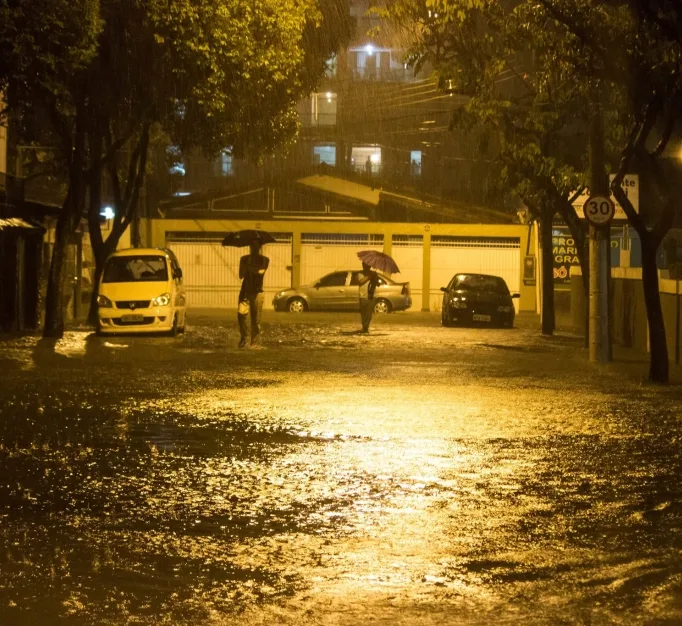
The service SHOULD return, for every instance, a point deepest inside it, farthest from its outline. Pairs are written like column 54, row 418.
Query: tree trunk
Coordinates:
column 92, row 313
column 658, row 368
column 54, row 300
column 548, row 318
column 101, row 255
column 69, row 218
column 126, row 204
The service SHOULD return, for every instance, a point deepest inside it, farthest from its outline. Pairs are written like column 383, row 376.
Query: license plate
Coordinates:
column 481, row 318
column 132, row 318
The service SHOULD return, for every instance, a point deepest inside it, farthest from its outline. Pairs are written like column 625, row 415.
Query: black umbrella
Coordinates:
column 241, row 238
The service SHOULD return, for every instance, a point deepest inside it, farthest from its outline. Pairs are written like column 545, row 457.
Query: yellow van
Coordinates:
column 141, row 291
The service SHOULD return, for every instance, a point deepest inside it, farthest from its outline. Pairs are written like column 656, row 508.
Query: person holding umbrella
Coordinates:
column 368, row 280
column 252, row 268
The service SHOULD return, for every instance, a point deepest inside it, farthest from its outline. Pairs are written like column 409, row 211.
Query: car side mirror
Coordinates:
column 316, row 285
column 516, row 295
column 444, row 289
column 178, row 273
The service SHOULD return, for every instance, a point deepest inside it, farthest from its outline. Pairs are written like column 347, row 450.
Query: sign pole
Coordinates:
column 603, row 237
column 599, row 211
column 593, row 304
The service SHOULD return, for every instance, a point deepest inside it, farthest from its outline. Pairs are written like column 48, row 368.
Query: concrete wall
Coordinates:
column 157, row 231
column 630, row 326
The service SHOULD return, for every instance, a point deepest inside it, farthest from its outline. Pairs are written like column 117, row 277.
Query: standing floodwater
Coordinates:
column 416, row 475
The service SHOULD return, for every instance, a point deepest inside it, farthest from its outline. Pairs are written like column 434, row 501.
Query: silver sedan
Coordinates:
column 339, row 291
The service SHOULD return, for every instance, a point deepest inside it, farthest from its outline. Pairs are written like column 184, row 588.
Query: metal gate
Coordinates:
column 452, row 255
column 211, row 271
column 408, row 252
column 322, row 254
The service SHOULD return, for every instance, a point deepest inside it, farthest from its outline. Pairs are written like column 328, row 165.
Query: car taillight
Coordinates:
column 406, row 289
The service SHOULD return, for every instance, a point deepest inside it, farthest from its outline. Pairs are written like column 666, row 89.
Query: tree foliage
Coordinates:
column 491, row 53
column 641, row 58
column 534, row 70
column 105, row 75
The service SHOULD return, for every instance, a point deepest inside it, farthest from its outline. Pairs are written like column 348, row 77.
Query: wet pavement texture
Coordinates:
column 415, row 475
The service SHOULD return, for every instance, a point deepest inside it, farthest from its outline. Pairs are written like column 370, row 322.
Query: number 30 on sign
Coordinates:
column 599, row 210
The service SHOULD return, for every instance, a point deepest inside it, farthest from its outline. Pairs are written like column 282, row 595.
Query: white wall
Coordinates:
column 211, row 271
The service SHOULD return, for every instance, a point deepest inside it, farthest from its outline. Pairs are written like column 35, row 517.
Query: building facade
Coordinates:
column 372, row 118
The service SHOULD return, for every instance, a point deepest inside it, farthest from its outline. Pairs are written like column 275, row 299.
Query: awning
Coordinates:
column 342, row 187
column 16, row 223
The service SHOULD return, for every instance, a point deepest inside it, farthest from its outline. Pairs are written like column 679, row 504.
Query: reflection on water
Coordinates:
column 147, row 485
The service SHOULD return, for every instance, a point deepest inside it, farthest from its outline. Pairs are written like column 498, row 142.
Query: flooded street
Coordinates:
column 415, row 475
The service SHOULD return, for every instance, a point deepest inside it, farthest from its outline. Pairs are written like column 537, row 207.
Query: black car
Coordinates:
column 477, row 298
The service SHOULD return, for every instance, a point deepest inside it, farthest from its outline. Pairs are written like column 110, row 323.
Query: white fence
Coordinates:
column 211, row 271
column 452, row 255
column 408, row 252
column 322, row 254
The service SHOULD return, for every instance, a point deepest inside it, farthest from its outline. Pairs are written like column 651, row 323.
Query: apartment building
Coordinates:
column 372, row 117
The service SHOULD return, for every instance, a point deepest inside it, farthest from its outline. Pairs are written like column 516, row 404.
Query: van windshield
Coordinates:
column 131, row 269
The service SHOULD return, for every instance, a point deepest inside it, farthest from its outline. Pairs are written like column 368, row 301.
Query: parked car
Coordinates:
column 475, row 298
column 141, row 291
column 339, row 291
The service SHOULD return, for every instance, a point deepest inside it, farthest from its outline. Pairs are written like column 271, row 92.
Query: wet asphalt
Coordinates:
column 415, row 475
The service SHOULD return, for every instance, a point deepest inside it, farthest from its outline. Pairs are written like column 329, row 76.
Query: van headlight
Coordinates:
column 104, row 302
column 162, row 300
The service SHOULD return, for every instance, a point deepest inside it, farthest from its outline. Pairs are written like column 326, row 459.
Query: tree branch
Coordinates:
column 669, row 127
column 61, row 128
column 112, row 167
column 131, row 178
column 571, row 25
column 139, row 176
column 638, row 136
column 645, row 9
column 94, row 227
column 111, row 150
column 576, row 195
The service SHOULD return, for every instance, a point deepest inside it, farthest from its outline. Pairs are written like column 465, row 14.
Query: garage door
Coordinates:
column 408, row 252
column 322, row 254
column 211, row 271
column 452, row 255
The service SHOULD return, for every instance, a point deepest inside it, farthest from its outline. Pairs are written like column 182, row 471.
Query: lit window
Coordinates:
column 360, row 156
column 226, row 163
column 416, row 162
column 324, row 108
column 324, row 154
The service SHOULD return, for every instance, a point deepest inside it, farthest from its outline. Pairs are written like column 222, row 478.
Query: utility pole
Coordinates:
column 599, row 211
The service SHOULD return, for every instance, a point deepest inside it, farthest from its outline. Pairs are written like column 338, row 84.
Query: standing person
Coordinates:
column 251, row 270
column 368, row 281
column 368, row 172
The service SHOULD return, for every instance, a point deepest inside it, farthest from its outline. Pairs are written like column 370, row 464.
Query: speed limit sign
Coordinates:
column 599, row 210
